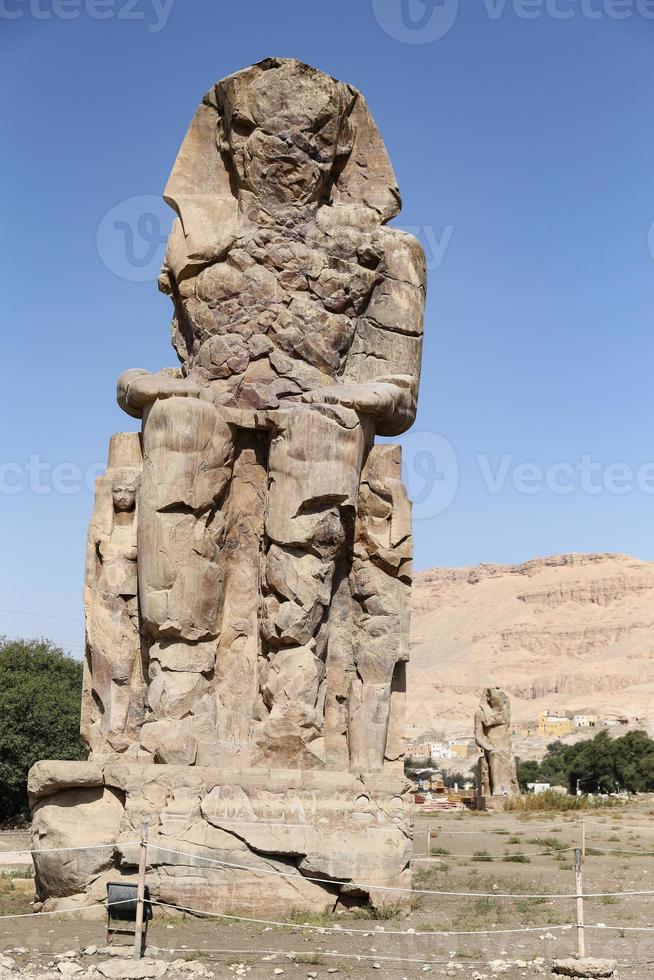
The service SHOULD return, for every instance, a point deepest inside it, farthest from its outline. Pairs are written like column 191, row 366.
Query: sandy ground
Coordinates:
column 240, row 949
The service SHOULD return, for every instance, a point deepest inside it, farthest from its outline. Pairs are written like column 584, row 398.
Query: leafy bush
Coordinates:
column 552, row 842
column 551, row 801
column 40, row 702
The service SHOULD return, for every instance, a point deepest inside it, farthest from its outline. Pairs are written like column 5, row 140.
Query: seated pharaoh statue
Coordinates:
column 249, row 555
column 249, row 559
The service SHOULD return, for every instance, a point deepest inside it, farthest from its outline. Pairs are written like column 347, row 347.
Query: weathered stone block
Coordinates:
column 275, row 830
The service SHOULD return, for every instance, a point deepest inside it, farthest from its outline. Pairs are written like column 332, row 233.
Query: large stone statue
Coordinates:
column 248, row 576
column 493, row 736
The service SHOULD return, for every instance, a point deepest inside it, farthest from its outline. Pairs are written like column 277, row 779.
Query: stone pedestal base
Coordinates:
column 335, row 827
column 495, row 804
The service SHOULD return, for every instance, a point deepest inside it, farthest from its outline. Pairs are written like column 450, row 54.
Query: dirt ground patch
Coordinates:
column 482, row 855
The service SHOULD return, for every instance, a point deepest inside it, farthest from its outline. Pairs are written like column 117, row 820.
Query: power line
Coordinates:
column 23, row 612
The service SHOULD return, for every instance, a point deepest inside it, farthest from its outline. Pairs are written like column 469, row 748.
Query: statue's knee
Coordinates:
column 184, row 425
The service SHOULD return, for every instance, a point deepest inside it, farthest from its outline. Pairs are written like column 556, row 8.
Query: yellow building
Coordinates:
column 556, row 725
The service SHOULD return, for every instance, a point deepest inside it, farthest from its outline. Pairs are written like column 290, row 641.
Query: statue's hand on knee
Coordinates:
column 382, row 399
column 138, row 388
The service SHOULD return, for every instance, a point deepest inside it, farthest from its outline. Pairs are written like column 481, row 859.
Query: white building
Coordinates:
column 586, row 721
column 538, row 788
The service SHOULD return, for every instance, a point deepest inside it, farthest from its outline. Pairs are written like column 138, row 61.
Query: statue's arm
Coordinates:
column 382, row 368
column 480, row 736
column 137, row 388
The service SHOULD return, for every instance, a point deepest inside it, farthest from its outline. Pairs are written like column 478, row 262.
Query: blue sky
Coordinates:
column 521, row 134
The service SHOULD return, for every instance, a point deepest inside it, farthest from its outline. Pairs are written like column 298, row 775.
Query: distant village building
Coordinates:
column 462, row 747
column 454, row 748
column 558, row 726
column 586, row 721
column 420, row 751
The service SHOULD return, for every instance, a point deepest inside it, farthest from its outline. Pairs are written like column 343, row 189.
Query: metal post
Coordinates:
column 581, row 938
column 140, row 893
column 583, row 839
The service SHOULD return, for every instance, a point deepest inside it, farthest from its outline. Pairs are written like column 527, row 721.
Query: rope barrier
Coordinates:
column 347, row 930
column 291, row 954
column 364, row 885
column 534, row 826
column 551, row 850
column 82, row 847
column 621, row 928
column 395, row 889
column 79, row 908
column 496, row 832
column 596, row 823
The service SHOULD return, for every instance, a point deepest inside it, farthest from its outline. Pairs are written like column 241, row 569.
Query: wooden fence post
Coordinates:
column 579, row 889
column 140, row 893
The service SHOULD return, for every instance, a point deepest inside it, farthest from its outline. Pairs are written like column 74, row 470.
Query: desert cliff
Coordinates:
column 567, row 633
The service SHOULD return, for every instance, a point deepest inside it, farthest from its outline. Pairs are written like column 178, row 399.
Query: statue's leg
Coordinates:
column 237, row 663
column 187, row 460
column 503, row 773
column 495, row 774
column 314, row 468
column 380, row 583
column 114, row 646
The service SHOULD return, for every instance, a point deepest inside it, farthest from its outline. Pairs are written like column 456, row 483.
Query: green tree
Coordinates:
column 452, row 778
column 528, row 772
column 555, row 766
column 599, row 764
column 40, row 699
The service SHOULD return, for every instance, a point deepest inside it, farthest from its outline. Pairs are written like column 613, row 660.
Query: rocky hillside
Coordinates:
column 571, row 632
